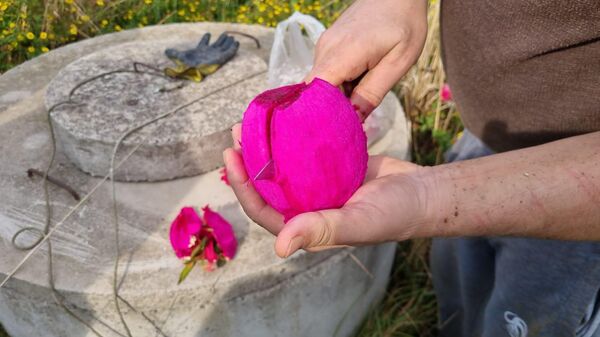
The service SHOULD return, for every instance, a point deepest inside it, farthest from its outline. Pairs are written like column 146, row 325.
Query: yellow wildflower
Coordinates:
column 118, row 28
column 100, row 3
column 45, row 49
column 104, row 23
column 148, row 2
column 43, row 35
column 85, row 18
column 31, row 49
column 30, row 36
column 73, row 30
column 69, row 2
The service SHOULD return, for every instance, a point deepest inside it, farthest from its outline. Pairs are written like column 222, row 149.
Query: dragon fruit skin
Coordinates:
column 317, row 144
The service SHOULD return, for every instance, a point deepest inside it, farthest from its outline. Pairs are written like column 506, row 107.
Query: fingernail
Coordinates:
column 295, row 244
column 362, row 106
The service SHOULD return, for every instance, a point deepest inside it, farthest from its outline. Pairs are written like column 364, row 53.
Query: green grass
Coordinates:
column 409, row 307
column 2, row 332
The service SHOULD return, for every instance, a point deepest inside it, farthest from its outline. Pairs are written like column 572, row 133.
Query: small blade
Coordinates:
column 267, row 172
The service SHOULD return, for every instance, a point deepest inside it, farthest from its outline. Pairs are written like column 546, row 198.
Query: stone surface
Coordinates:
column 190, row 142
column 255, row 294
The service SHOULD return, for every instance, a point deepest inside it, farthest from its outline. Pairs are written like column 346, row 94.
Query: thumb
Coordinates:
column 321, row 229
column 376, row 83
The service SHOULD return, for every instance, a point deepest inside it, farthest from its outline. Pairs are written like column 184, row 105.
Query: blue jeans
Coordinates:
column 514, row 287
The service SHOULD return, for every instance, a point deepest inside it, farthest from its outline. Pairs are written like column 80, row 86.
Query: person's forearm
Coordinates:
column 547, row 191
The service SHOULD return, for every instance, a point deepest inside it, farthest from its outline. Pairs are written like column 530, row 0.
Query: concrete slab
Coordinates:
column 189, row 143
column 255, row 294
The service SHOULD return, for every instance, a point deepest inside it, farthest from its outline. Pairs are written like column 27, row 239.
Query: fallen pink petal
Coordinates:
column 211, row 242
column 210, row 255
column 184, row 232
column 314, row 138
column 222, row 232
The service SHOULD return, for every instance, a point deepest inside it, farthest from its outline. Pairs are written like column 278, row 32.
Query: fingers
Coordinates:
column 254, row 206
column 205, row 40
column 236, row 135
column 381, row 166
column 335, row 73
column 376, row 81
column 371, row 90
column 230, row 52
column 374, row 167
column 220, row 40
column 227, row 43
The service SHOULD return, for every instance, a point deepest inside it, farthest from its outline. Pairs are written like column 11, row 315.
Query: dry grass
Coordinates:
column 435, row 124
column 409, row 307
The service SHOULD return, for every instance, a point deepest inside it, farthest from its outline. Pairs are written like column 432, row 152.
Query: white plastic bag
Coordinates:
column 292, row 52
column 292, row 59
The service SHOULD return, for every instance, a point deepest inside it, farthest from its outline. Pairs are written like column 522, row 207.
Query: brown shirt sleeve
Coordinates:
column 523, row 72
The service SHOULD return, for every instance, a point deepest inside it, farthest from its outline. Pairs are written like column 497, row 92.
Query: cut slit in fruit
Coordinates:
column 275, row 100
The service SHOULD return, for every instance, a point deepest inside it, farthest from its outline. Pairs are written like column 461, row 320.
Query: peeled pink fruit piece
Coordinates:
column 316, row 143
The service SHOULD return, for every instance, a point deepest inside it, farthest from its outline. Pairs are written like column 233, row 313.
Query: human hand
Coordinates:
column 374, row 43
column 389, row 206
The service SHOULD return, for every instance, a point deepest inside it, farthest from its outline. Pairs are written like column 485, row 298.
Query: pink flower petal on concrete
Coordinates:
column 210, row 255
column 222, row 232
column 316, row 142
column 184, row 232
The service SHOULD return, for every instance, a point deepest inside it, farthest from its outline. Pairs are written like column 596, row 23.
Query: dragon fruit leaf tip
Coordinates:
column 317, row 144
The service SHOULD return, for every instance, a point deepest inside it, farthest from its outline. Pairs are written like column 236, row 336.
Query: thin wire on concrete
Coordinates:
column 47, row 232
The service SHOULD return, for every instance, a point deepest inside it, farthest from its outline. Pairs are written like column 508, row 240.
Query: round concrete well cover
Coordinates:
column 189, row 142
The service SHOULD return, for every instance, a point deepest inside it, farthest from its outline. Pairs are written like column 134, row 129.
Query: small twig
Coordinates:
column 33, row 172
column 166, row 18
column 361, row 265
column 235, row 32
